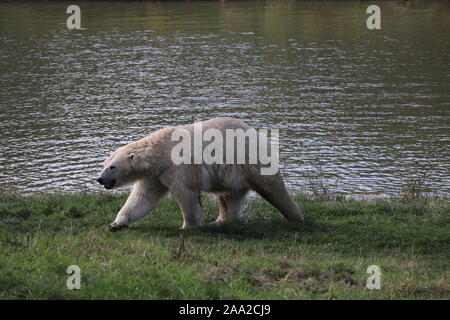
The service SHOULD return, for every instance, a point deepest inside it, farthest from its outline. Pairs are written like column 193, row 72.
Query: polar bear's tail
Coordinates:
column 272, row 189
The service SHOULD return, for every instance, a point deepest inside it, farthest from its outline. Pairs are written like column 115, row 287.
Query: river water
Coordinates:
column 362, row 112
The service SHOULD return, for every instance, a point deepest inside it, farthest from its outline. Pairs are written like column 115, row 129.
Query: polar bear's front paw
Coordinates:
column 114, row 227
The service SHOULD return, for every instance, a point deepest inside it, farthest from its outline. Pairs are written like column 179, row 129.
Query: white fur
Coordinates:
column 148, row 165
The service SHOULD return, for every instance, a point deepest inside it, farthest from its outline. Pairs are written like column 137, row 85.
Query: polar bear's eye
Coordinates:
column 112, row 167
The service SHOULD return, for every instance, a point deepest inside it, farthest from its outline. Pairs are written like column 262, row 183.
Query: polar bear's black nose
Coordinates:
column 100, row 180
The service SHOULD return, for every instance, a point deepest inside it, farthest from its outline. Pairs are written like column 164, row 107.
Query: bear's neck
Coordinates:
column 152, row 155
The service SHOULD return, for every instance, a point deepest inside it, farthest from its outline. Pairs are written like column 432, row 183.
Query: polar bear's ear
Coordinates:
column 131, row 156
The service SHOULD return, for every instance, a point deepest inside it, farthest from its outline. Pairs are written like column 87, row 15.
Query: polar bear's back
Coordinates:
column 221, row 123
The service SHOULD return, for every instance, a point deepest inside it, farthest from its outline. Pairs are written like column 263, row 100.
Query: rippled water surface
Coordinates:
column 366, row 110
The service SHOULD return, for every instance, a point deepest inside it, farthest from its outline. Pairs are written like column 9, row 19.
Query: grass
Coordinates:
column 261, row 257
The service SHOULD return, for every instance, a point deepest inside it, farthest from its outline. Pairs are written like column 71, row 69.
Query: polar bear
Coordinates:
column 148, row 165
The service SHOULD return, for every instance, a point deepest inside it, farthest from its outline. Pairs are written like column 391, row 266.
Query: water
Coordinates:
column 366, row 110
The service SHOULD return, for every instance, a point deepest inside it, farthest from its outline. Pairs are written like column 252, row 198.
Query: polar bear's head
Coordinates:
column 118, row 169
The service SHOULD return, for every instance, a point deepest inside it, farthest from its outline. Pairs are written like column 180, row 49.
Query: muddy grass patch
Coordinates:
column 421, row 290
column 311, row 280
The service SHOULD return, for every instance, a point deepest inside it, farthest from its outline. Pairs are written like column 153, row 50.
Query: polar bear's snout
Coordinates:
column 107, row 182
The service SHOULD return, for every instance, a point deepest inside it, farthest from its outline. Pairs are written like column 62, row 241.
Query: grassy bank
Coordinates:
column 262, row 257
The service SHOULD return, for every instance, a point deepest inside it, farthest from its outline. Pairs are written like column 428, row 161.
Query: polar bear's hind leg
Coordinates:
column 272, row 189
column 230, row 205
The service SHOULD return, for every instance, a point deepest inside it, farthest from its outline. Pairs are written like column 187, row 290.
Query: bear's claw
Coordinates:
column 114, row 227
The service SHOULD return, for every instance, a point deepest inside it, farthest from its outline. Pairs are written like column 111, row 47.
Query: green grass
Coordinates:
column 261, row 257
